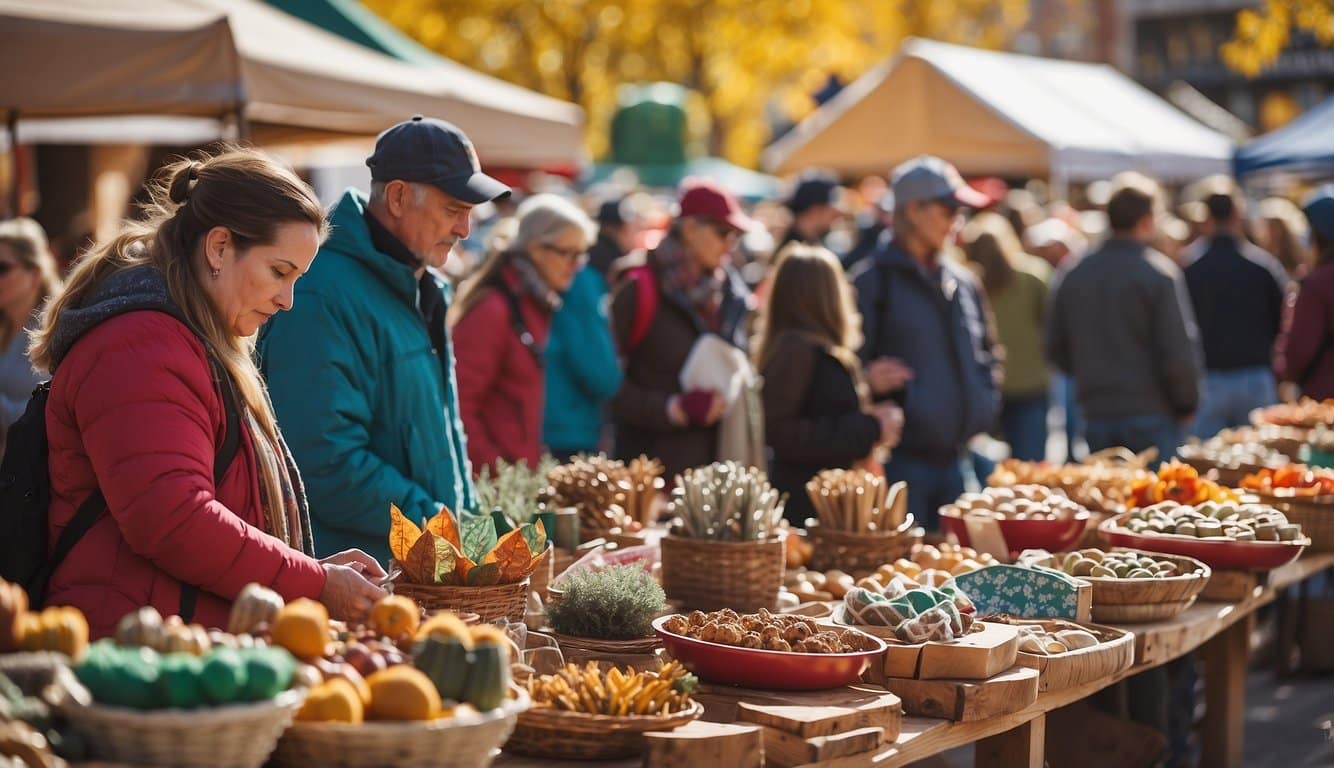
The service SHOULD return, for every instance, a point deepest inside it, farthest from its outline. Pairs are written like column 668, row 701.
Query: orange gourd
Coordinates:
column 395, row 616
column 302, row 627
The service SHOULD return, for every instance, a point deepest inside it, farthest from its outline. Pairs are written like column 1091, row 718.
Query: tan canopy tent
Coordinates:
column 1000, row 114
column 290, row 81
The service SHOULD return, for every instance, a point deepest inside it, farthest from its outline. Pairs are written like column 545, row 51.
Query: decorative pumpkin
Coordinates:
column 58, row 628
column 13, row 604
column 333, row 700
column 142, row 628
column 489, row 672
column 394, row 616
column 254, row 605
column 402, row 693
column 445, row 624
column 445, row 660
column 179, row 637
column 302, row 627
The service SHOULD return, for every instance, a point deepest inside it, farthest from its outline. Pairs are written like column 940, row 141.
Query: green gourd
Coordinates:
column 445, row 660
column 179, row 681
column 223, row 676
column 268, row 672
column 488, row 676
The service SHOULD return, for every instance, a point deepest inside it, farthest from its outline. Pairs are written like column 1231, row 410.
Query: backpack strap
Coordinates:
column 646, row 304
column 91, row 509
column 521, row 329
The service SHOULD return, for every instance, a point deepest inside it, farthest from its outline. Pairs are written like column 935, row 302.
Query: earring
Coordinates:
column 216, row 272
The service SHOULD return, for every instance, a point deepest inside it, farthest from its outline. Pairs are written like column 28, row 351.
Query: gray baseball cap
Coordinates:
column 926, row 178
column 430, row 151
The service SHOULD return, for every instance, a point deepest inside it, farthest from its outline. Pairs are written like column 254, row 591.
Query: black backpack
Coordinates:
column 25, row 497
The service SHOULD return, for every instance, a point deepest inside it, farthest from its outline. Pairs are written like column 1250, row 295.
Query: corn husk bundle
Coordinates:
column 857, row 501
column 726, row 502
column 609, row 494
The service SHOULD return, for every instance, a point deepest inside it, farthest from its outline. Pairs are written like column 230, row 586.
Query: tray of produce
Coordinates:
column 1220, row 535
column 1028, row 517
column 1129, row 585
column 767, row 650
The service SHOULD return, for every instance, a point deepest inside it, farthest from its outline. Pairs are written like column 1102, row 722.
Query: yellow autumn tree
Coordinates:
column 743, row 58
column 1262, row 34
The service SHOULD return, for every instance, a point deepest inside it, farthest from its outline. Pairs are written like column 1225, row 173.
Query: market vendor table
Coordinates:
column 1220, row 630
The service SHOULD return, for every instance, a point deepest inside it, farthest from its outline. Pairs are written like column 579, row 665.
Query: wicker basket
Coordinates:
column 1138, row 600
column 860, row 554
column 465, row 741
column 1228, row 477
column 238, row 736
column 503, row 601
column 634, row 653
column 559, row 735
column 1315, row 514
column 710, row 575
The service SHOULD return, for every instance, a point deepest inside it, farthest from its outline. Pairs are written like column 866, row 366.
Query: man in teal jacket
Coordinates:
column 361, row 371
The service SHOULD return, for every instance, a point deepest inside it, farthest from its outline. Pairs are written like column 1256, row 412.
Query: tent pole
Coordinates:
column 242, row 129
column 12, row 127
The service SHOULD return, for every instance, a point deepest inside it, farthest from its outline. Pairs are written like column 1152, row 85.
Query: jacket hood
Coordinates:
column 126, row 290
column 349, row 236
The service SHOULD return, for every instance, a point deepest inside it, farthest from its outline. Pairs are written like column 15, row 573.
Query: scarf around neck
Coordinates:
column 682, row 277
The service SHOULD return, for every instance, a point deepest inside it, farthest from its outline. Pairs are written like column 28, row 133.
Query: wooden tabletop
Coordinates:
column 1156, row 643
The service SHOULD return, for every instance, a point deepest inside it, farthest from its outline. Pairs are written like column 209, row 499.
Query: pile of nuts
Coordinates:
column 767, row 631
column 1019, row 502
column 1214, row 520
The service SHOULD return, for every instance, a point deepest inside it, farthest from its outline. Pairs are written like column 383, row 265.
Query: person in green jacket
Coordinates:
column 361, row 370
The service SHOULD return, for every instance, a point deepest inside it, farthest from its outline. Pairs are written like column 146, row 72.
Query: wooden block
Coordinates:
column 783, row 749
column 701, row 743
column 976, row 656
column 967, row 700
column 806, row 713
column 1234, row 586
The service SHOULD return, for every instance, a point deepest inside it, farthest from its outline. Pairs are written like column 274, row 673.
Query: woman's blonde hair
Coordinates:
column 243, row 190
column 810, row 295
column 26, row 239
column 990, row 243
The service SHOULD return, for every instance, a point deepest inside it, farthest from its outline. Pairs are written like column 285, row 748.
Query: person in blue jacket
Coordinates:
column 361, row 370
column 583, row 373
column 930, row 343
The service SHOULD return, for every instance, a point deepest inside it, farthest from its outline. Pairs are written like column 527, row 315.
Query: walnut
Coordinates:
column 796, row 632
column 730, row 634
column 697, row 618
column 770, row 634
column 677, row 625
column 777, row 644
column 752, row 640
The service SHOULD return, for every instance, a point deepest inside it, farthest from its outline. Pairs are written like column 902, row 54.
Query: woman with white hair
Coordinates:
column 500, row 326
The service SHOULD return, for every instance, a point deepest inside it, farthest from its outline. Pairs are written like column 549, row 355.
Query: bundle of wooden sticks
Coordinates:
column 857, row 501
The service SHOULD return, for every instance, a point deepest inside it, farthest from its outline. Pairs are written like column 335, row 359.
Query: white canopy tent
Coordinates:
column 291, row 81
column 1001, row 114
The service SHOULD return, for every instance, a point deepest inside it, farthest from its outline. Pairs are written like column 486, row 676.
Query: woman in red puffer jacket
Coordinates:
column 137, row 412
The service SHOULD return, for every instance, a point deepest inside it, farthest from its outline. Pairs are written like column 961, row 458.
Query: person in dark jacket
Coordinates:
column 814, row 204
column 689, row 289
column 500, row 326
column 153, row 324
column 817, row 408
column 1308, row 347
column 362, row 370
column 929, row 345
column 1121, row 326
column 29, row 276
column 1236, row 291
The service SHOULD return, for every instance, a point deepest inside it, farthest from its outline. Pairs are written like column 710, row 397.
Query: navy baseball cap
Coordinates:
column 1319, row 210
column 429, row 151
column 927, row 178
column 812, row 191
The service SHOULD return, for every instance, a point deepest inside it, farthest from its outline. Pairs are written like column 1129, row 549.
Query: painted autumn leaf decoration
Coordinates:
column 441, row 552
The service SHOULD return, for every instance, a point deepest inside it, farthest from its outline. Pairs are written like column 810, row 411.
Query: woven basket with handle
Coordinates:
column 560, row 735
column 860, row 554
column 710, row 575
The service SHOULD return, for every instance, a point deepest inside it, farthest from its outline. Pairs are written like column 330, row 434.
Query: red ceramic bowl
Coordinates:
column 1052, row 535
column 774, row 670
column 1215, row 553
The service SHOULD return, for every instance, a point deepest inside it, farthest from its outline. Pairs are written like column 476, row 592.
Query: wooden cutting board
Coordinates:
column 702, row 744
column 783, row 749
column 805, row 713
column 968, row 700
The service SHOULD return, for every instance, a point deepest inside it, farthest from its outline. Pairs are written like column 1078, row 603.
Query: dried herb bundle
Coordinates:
column 726, row 502
column 608, row 493
column 514, row 489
